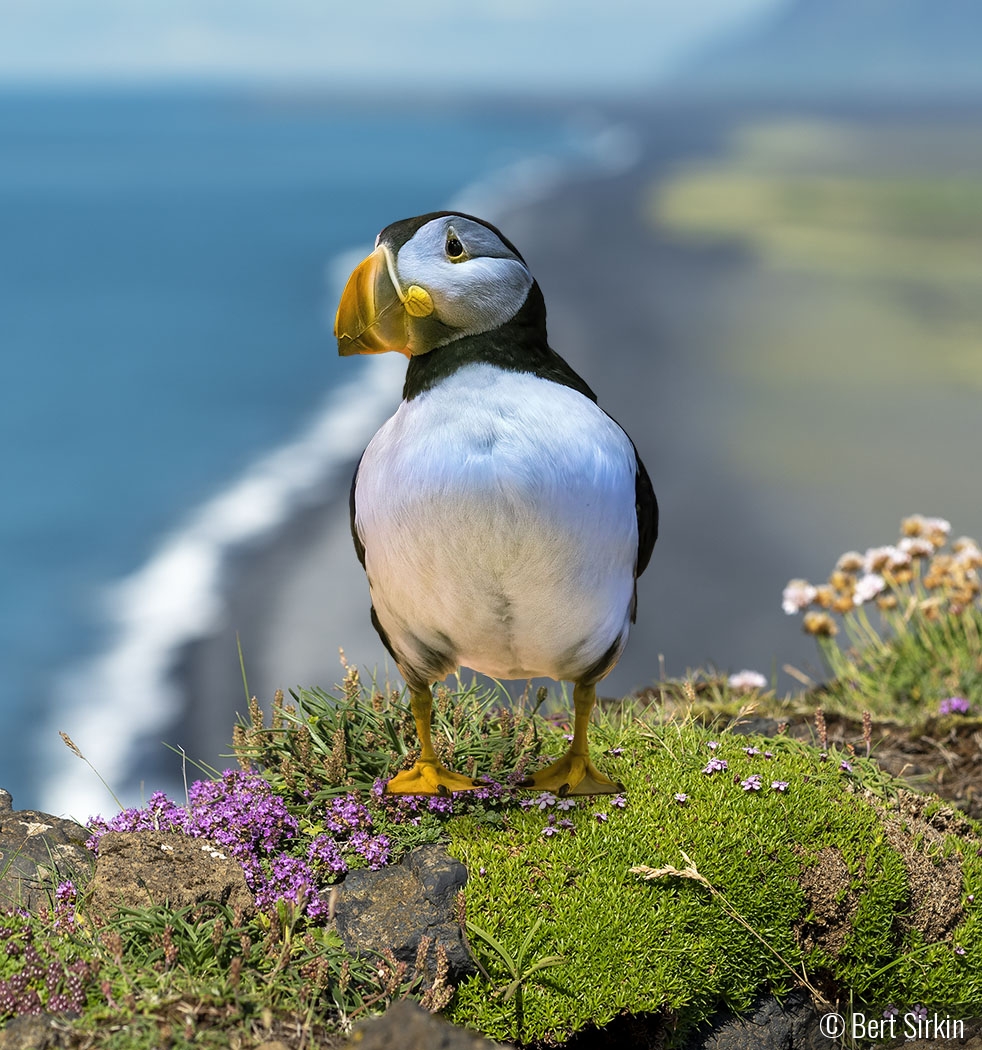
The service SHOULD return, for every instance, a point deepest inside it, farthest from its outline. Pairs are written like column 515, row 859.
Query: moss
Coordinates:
column 673, row 945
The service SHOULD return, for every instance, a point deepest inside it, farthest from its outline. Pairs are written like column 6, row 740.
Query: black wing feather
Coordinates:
column 359, row 546
column 647, row 510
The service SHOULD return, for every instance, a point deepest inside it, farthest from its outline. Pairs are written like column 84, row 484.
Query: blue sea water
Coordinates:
column 165, row 322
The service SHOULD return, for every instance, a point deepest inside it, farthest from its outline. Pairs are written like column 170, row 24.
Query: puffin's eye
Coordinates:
column 454, row 249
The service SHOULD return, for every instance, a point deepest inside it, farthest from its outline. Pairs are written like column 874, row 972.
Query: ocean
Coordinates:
column 169, row 267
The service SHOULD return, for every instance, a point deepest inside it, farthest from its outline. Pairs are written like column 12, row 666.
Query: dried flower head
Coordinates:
column 821, row 624
column 851, row 561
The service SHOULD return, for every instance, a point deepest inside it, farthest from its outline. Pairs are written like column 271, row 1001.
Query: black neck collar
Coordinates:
column 519, row 345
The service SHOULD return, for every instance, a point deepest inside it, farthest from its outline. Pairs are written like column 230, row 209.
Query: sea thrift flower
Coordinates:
column 851, row 561
column 868, row 587
column 916, row 547
column 746, row 681
column 877, row 559
column 819, row 623
column 967, row 552
column 919, row 525
column 797, row 595
column 954, row 705
column 752, row 783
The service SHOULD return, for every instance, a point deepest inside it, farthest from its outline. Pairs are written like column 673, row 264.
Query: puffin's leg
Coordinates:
column 428, row 776
column 574, row 773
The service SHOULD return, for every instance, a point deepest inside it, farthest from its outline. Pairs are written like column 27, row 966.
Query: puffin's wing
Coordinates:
column 359, row 546
column 647, row 510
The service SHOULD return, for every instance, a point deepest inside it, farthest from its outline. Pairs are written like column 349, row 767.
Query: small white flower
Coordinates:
column 916, row 547
column 920, row 525
column 797, row 595
column 877, row 559
column 967, row 552
column 937, row 525
column 746, row 681
column 868, row 587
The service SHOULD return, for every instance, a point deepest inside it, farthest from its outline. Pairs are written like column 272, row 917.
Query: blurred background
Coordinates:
column 757, row 225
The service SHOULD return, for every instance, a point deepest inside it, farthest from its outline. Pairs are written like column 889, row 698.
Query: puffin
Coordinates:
column 501, row 516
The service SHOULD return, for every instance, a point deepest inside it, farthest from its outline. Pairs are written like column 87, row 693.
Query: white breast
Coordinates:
column 498, row 516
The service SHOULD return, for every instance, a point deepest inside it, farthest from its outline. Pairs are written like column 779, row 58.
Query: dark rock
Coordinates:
column 791, row 1023
column 29, row 1032
column 136, row 869
column 397, row 906
column 755, row 725
column 406, row 1026
column 37, row 851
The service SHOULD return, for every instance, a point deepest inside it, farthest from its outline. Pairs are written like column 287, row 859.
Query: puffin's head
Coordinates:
column 429, row 281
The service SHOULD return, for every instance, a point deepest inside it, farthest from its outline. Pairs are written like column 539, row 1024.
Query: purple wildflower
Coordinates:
column 566, row 803
column 66, row 898
column 616, row 751
column 346, row 814
column 954, row 705
column 601, row 818
column 288, row 879
column 681, row 798
column 779, row 785
column 374, row 848
column 549, row 830
column 751, row 751
column 752, row 783
column 959, row 950
column 442, row 805
column 324, row 855
column 619, row 802
column 845, row 766
column 567, row 825
column 715, row 765
column 545, row 800
column 712, row 745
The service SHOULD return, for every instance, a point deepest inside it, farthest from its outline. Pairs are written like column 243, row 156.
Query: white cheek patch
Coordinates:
column 472, row 296
column 479, row 294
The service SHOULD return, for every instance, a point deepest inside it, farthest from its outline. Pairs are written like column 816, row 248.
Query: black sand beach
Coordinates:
column 651, row 321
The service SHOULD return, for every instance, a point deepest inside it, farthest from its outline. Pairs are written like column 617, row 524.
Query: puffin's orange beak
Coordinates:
column 371, row 318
